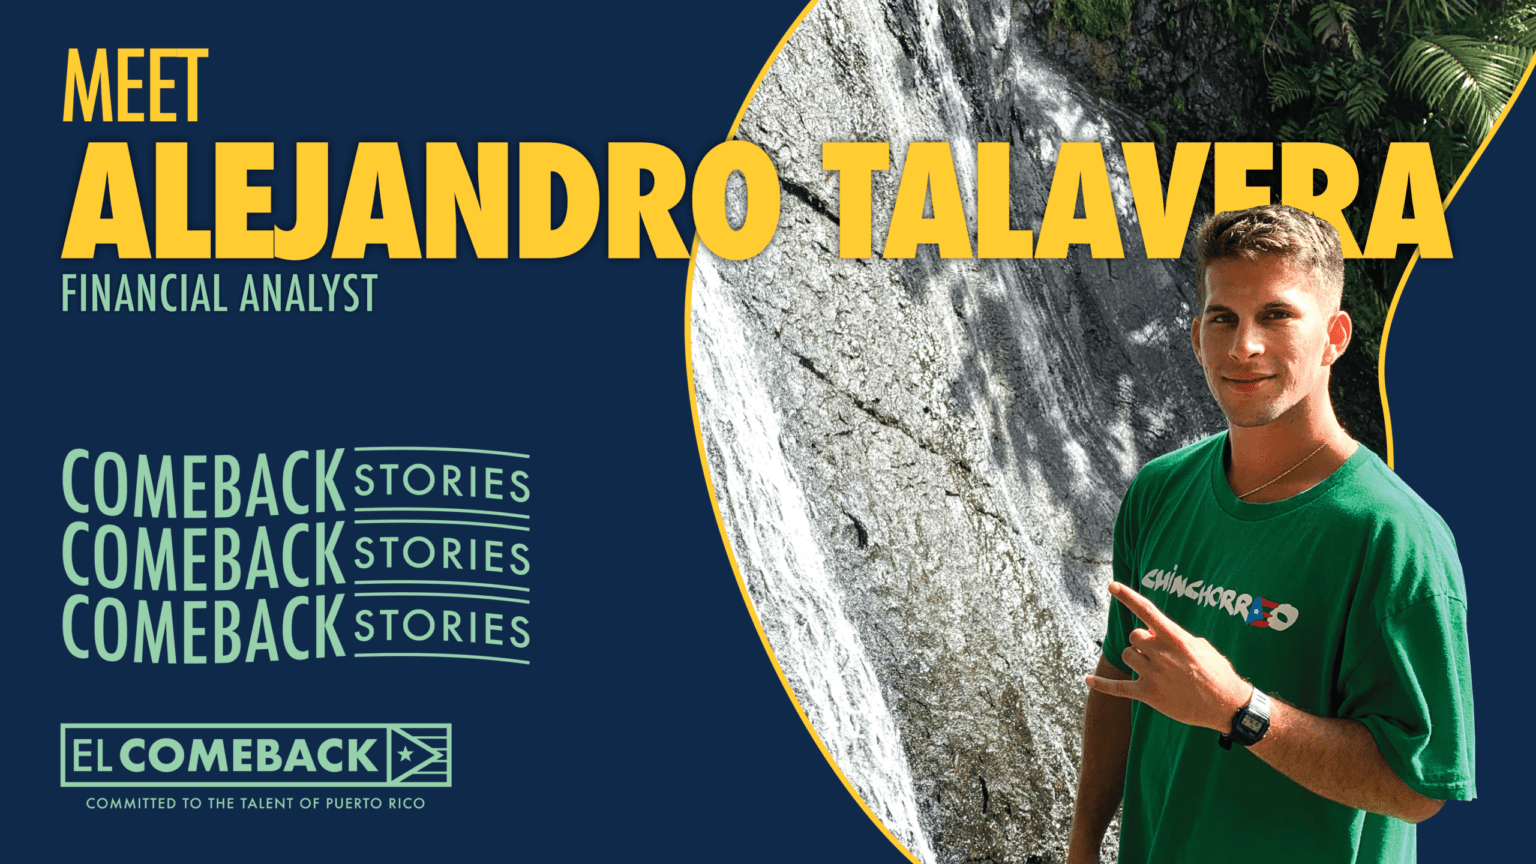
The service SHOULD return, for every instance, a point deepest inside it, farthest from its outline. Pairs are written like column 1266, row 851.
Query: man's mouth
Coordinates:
column 1246, row 383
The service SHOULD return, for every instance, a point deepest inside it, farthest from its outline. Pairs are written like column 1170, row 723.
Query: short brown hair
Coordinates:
column 1273, row 229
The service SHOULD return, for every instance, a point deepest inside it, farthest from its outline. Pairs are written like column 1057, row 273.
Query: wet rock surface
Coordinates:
column 919, row 462
column 1174, row 63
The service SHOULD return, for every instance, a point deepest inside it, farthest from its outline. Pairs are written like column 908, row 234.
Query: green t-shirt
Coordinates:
column 1345, row 601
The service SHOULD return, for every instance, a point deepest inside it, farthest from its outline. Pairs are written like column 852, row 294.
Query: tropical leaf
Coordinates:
column 1467, row 79
column 1427, row 13
column 1327, row 126
column 1364, row 102
column 1514, row 25
column 1519, row 28
column 1331, row 15
column 1288, row 86
column 1333, row 23
column 1327, row 83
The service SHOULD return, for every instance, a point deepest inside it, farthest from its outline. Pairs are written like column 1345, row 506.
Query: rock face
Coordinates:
column 919, row 462
column 1172, row 62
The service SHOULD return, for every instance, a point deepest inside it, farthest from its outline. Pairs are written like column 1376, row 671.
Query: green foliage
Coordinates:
column 1368, row 73
column 1465, row 79
column 1360, row 74
column 1288, row 85
column 1411, row 15
column 1364, row 74
column 1367, row 308
column 1333, row 24
column 1101, row 19
column 1353, row 92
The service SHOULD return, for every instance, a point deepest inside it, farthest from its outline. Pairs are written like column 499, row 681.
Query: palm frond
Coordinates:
column 1426, row 13
column 1458, row 8
column 1468, row 80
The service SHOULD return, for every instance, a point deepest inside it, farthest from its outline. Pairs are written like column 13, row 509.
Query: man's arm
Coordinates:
column 1339, row 760
column 1187, row 679
column 1101, row 778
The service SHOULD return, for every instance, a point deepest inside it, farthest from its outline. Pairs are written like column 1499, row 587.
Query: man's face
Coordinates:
column 1266, row 339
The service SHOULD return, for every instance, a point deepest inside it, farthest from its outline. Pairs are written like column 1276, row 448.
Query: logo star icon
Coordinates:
column 405, row 755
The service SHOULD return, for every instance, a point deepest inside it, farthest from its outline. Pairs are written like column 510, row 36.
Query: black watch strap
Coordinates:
column 1250, row 723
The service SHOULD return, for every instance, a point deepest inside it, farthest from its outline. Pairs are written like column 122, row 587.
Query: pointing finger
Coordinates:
column 1145, row 609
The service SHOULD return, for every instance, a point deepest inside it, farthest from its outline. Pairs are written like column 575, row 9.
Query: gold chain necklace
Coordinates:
column 1282, row 474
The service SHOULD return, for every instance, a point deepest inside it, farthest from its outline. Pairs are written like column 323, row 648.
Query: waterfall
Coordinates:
column 918, row 462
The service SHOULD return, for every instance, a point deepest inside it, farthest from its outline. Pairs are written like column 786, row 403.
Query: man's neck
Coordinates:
column 1286, row 456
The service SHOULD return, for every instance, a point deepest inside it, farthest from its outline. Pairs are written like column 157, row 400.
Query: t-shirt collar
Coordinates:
column 1248, row 511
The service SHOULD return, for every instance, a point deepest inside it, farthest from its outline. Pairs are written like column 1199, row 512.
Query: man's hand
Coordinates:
column 1180, row 675
column 1184, row 677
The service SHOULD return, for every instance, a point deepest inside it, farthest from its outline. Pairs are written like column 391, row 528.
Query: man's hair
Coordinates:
column 1276, row 230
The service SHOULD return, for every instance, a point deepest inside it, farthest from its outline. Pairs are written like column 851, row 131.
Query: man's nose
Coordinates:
column 1247, row 341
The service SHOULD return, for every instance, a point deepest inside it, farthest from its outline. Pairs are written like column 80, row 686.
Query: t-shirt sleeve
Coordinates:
column 1412, row 688
column 1121, row 622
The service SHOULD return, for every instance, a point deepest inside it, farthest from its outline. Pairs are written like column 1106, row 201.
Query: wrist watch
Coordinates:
column 1250, row 723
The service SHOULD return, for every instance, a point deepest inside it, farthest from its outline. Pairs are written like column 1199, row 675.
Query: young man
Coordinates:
column 1285, row 673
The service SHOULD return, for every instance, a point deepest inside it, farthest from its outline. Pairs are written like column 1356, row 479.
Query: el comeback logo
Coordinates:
column 255, row 754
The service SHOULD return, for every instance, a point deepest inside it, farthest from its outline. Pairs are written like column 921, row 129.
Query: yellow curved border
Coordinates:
column 714, row 501
column 1386, row 328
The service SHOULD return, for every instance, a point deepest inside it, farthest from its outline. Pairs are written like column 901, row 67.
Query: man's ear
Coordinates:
column 1340, row 329
column 1194, row 340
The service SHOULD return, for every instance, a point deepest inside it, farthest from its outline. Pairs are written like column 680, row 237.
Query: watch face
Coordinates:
column 1251, row 723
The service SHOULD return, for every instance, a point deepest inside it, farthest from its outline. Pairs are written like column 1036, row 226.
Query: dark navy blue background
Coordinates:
column 1456, row 373
column 650, row 724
